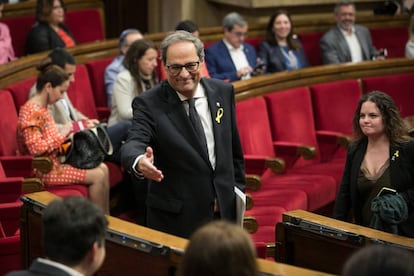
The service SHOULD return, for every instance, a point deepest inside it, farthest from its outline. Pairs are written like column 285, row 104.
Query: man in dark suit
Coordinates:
column 231, row 58
column 193, row 174
column 73, row 239
column 347, row 42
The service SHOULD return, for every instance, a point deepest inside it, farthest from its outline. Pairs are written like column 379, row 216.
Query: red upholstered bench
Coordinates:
column 96, row 71
column 86, row 25
column 393, row 39
column 19, row 28
column 400, row 87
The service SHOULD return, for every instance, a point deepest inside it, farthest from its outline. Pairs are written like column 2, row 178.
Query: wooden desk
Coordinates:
column 130, row 249
column 313, row 241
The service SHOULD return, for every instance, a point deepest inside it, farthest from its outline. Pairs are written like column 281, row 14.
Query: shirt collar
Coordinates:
column 63, row 267
column 230, row 47
column 199, row 93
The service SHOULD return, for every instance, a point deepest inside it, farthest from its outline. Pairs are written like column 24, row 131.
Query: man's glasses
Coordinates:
column 175, row 69
column 239, row 34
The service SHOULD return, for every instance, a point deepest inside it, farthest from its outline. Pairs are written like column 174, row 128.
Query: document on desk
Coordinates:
column 240, row 205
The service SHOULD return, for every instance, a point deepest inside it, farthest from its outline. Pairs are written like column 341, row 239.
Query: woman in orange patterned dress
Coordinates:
column 38, row 135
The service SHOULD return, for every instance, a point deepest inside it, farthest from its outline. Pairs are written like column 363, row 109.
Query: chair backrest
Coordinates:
column 310, row 43
column 8, row 124
column 291, row 118
column 86, row 25
column 19, row 29
column 81, row 94
column 254, row 129
column 21, row 90
column 96, row 70
column 393, row 39
column 334, row 105
column 400, row 87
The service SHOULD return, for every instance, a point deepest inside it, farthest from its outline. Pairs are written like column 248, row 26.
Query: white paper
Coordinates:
column 240, row 205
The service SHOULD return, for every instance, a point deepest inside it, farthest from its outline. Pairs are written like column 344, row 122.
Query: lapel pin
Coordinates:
column 219, row 114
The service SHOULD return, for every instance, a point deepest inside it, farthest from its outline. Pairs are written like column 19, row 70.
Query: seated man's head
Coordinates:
column 345, row 14
column 126, row 38
column 63, row 59
column 74, row 234
column 235, row 29
column 189, row 26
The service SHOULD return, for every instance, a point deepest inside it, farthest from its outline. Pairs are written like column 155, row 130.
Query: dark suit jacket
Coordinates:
column 219, row 62
column 274, row 59
column 334, row 48
column 42, row 37
column 402, row 179
column 37, row 268
column 184, row 199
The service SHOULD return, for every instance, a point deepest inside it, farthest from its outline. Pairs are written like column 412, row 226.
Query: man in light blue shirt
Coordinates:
column 126, row 38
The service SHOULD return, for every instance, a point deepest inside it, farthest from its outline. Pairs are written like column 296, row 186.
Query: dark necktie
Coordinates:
column 196, row 122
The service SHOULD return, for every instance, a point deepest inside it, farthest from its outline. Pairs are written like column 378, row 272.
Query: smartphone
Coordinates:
column 386, row 190
column 260, row 65
column 383, row 52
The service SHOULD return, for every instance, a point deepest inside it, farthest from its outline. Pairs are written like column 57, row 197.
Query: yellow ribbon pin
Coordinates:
column 220, row 112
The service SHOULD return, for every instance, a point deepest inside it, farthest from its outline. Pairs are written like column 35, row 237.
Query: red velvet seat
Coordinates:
column 9, row 237
column 292, row 126
column 96, row 71
column 20, row 91
column 400, row 87
column 392, row 38
column 255, row 136
column 310, row 43
column 334, row 106
column 266, row 217
column 86, row 25
column 19, row 29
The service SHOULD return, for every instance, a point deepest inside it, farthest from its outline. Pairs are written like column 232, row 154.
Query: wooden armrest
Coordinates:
column 307, row 152
column 344, row 141
column 277, row 165
column 249, row 202
column 253, row 182
column 250, row 224
column 31, row 185
column 43, row 164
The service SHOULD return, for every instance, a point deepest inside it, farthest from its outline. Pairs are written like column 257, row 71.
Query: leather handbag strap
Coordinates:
column 94, row 130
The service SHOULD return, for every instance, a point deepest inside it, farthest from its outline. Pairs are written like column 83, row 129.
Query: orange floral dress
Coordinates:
column 38, row 135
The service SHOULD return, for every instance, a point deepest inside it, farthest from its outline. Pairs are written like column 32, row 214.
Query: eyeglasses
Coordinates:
column 175, row 69
column 239, row 34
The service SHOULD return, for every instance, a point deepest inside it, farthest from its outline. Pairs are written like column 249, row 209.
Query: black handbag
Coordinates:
column 88, row 148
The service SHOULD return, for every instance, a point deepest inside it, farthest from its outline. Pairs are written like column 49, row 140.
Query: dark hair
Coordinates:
column 393, row 123
column 52, row 74
column 70, row 228
column 135, row 52
column 380, row 260
column 44, row 9
column 61, row 57
column 219, row 248
column 187, row 25
column 270, row 34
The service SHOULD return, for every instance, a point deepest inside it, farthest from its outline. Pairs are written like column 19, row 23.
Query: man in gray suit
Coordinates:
column 193, row 167
column 347, row 41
